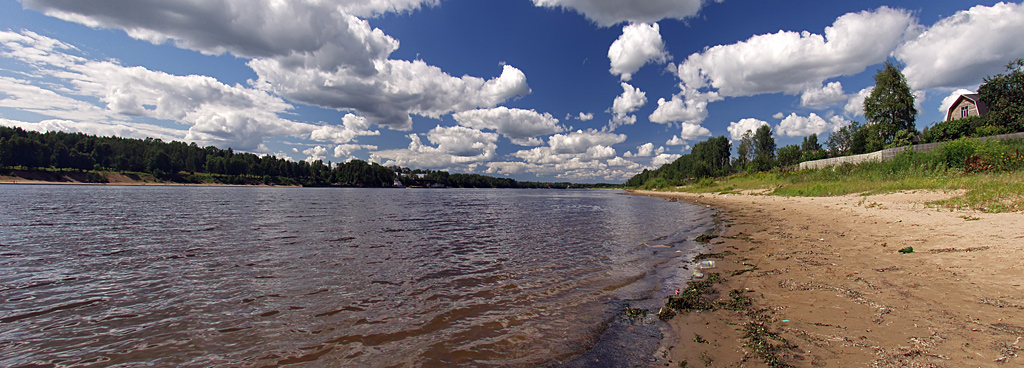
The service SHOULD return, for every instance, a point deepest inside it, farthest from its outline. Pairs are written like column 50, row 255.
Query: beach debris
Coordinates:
column 706, row 264
column 698, row 274
column 704, row 238
column 907, row 250
column 634, row 313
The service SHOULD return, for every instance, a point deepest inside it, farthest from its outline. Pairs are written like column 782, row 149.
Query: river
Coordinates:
column 256, row 276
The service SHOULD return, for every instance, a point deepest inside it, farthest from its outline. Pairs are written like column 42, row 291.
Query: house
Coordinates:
column 967, row 105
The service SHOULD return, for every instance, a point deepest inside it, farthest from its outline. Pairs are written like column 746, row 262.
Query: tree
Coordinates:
column 810, row 143
column 1004, row 94
column 764, row 149
column 745, row 151
column 789, row 155
column 890, row 105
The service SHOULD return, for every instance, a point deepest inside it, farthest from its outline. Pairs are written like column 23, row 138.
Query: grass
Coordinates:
column 991, row 175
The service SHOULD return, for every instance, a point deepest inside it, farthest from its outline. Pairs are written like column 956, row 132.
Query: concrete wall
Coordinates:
column 890, row 153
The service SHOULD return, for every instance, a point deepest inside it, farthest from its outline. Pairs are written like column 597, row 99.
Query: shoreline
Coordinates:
column 830, row 287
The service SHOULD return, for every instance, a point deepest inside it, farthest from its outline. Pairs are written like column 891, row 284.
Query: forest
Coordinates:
column 178, row 162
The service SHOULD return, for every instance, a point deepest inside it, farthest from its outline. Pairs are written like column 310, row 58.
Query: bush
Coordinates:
column 954, row 129
column 93, row 177
column 956, row 153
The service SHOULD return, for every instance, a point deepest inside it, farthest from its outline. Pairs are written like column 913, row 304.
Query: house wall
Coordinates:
column 971, row 107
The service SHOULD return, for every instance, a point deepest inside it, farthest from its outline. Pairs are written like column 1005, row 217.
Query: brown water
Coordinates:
column 190, row 276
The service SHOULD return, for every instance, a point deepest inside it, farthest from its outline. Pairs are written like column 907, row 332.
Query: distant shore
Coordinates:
column 32, row 177
column 827, row 276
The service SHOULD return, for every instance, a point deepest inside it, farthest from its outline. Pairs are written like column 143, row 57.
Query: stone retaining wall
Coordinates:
column 890, row 153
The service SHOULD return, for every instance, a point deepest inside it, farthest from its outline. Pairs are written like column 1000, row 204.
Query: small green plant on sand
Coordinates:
column 907, row 250
column 704, row 238
column 634, row 313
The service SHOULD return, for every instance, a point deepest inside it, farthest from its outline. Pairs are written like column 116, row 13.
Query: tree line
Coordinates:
column 890, row 114
column 188, row 163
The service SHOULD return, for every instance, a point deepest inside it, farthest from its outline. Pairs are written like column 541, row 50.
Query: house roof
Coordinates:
column 973, row 97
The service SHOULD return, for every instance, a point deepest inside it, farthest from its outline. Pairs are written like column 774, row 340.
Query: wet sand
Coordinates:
column 826, row 276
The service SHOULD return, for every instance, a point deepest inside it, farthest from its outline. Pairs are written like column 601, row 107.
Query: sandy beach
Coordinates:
column 827, row 276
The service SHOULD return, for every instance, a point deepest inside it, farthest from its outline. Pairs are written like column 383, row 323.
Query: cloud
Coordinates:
column 399, row 89
column 638, row 45
column 579, row 155
column 663, row 159
column 738, row 128
column 855, row 105
column 824, row 96
column 611, row 12
column 580, row 140
column 352, row 126
column 453, row 148
column 247, row 28
column 792, row 62
column 621, row 162
column 648, row 150
column 64, row 85
column 688, row 106
column 693, row 132
column 346, row 150
column 314, row 52
column 625, row 104
column 949, row 100
column 585, row 117
column 801, row 126
column 778, row 115
column 516, row 124
column 315, row 153
column 960, row 50
column 675, row 141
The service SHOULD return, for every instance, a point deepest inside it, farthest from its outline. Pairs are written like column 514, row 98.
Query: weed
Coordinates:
column 704, row 358
column 907, row 250
column 760, row 340
column 700, row 340
column 634, row 313
column 704, row 238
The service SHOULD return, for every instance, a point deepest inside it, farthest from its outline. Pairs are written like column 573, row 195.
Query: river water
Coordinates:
column 244, row 276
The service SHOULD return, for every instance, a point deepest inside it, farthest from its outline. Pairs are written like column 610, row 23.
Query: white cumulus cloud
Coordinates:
column 625, row 104
column 801, row 126
column 638, row 45
column 314, row 52
column 611, row 12
column 855, row 105
column 824, row 96
column 688, row 106
column 516, row 124
column 792, row 62
column 960, row 50
column 664, row 158
column 738, row 128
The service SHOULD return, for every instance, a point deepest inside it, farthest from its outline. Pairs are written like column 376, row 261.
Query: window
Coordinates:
column 963, row 111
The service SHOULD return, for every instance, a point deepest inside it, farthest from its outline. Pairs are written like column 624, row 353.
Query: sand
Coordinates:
column 826, row 274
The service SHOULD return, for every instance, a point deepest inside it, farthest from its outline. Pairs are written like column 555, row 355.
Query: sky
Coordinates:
column 548, row 90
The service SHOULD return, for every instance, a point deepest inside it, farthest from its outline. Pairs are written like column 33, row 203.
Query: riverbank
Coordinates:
column 830, row 287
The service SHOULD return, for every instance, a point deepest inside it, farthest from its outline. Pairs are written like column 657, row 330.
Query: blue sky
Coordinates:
column 577, row 90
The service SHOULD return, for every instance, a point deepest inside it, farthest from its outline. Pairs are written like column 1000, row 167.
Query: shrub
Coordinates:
column 93, row 177
column 956, row 153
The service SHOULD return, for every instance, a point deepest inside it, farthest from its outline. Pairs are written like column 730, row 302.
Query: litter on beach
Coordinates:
column 698, row 275
column 706, row 264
